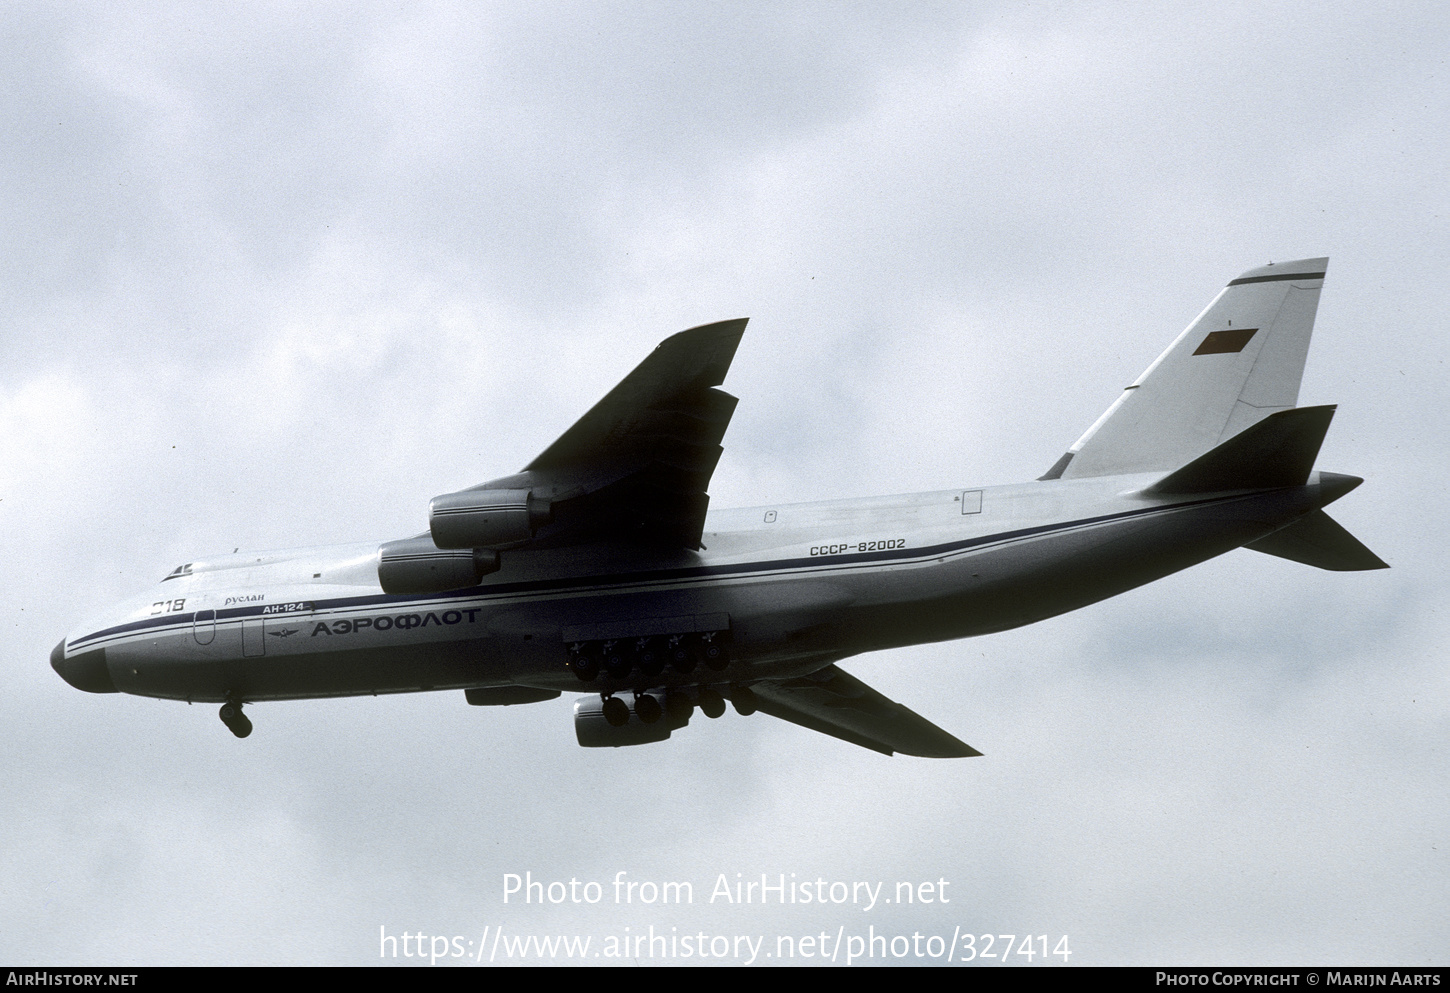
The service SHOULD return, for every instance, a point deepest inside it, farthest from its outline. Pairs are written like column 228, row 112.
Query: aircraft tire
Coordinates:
column 716, row 655
column 616, row 712
column 743, row 697
column 679, row 707
column 236, row 721
column 649, row 656
column 682, row 657
column 617, row 661
column 711, row 702
column 647, row 708
column 586, row 667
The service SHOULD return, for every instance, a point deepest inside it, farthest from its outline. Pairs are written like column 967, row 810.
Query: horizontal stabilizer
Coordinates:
column 836, row 703
column 1277, row 451
column 1319, row 540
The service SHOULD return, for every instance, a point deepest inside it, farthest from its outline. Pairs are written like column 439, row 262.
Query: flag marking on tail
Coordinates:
column 1222, row 342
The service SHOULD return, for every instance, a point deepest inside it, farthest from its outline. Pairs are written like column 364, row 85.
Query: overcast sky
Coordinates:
column 275, row 275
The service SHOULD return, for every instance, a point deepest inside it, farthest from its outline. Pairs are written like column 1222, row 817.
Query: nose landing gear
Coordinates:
column 236, row 721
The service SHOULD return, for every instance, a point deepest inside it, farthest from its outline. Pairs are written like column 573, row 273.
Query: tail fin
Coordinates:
column 1238, row 362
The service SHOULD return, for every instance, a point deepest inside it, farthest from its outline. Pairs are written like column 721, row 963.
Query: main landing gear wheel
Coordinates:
column 679, row 706
column 647, row 708
column 649, row 656
column 744, row 699
column 711, row 702
column 616, row 712
column 682, row 655
column 616, row 660
column 582, row 663
column 714, row 652
column 236, row 721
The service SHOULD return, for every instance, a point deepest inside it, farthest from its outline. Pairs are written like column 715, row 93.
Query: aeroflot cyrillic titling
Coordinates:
column 779, row 888
column 402, row 622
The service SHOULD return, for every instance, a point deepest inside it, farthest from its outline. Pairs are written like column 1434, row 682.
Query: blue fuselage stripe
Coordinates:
column 655, row 576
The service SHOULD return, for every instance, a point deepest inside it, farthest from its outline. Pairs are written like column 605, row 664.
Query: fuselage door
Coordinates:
column 254, row 640
column 203, row 626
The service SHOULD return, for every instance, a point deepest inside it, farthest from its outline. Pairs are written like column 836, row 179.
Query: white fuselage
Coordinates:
column 796, row 586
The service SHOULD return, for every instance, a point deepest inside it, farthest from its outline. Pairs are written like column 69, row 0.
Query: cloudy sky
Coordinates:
column 277, row 274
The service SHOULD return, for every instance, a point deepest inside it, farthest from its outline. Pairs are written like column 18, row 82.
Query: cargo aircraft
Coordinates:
column 599, row 569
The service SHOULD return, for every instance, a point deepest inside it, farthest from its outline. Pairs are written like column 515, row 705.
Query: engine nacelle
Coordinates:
column 416, row 565
column 594, row 730
column 485, row 518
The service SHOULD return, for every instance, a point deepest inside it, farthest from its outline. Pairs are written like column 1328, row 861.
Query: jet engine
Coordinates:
column 416, row 565
column 486, row 518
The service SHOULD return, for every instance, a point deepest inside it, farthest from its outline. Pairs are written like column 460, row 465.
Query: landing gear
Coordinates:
column 682, row 654
column 616, row 659
column 647, row 708
column 650, row 657
column 645, row 684
column 583, row 662
column 711, row 702
column 236, row 721
column 616, row 712
column 679, row 706
column 744, row 699
column 714, row 652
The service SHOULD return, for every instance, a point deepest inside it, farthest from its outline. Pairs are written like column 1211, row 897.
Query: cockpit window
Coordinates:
column 178, row 572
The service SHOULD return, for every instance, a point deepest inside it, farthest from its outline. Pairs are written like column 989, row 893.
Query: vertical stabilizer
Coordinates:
column 1238, row 362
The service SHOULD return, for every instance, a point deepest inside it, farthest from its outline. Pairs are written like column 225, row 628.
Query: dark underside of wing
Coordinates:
column 834, row 702
column 636, row 467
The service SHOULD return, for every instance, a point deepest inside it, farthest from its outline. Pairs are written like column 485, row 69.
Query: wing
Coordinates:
column 834, row 702
column 635, row 467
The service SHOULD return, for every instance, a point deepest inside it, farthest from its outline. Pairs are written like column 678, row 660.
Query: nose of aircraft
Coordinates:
column 86, row 671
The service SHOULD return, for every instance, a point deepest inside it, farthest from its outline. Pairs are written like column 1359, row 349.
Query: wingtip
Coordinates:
column 734, row 325
column 719, row 333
